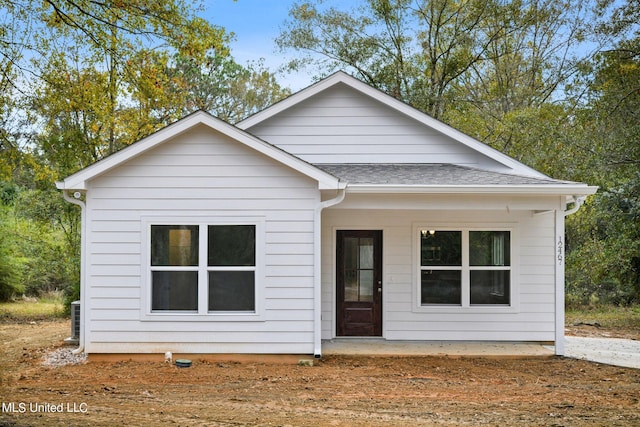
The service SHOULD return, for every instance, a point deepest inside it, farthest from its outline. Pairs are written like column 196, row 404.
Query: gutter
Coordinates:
column 317, row 270
column 76, row 200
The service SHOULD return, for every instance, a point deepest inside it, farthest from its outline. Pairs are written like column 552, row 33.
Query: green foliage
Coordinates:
column 100, row 77
column 11, row 265
column 604, row 248
column 437, row 56
column 39, row 250
column 604, row 253
column 620, row 319
column 48, row 263
column 46, row 307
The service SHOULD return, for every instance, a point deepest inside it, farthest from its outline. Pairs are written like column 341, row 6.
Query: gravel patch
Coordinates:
column 62, row 357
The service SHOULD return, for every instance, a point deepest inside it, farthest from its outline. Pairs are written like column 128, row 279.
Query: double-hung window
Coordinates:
column 231, row 266
column 174, row 267
column 465, row 268
column 203, row 268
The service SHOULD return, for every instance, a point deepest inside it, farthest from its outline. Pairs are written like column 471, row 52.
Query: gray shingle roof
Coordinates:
column 428, row 174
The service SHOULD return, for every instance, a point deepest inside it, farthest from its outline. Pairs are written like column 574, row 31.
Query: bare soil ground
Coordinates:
column 338, row 391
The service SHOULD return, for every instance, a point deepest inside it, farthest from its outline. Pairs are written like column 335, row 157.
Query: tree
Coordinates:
column 230, row 91
column 218, row 85
column 117, row 30
column 63, row 95
column 518, row 89
column 618, row 17
column 101, row 24
column 606, row 236
column 439, row 54
column 10, row 263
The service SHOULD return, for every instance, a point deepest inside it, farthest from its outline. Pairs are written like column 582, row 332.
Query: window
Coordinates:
column 203, row 268
column 174, row 267
column 441, row 272
column 490, row 267
column 231, row 265
column 465, row 267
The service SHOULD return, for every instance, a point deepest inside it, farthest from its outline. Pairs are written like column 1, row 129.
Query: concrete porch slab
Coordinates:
column 381, row 347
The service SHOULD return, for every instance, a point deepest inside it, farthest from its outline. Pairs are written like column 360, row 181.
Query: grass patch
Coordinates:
column 608, row 317
column 49, row 306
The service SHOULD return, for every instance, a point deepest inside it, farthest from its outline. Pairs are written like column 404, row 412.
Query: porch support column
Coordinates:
column 560, row 282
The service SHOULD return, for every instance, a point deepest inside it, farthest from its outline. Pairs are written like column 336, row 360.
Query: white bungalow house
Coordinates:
column 338, row 212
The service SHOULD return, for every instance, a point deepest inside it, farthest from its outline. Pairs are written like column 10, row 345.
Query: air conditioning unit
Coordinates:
column 75, row 323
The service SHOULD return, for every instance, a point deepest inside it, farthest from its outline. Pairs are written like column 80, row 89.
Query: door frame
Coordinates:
column 380, row 301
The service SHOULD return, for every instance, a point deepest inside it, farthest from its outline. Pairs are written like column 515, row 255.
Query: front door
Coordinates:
column 359, row 283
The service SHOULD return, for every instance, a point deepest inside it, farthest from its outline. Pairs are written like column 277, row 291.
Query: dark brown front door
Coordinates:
column 359, row 283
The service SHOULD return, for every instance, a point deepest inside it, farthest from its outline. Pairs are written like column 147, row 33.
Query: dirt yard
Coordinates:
column 338, row 391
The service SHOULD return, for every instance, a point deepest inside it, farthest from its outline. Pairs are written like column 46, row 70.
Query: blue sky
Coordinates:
column 256, row 23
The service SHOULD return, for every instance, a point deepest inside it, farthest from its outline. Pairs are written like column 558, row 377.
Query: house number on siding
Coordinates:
column 560, row 250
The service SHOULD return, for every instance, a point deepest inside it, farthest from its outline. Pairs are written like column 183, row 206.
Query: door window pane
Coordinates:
column 351, row 285
column 174, row 290
column 358, row 269
column 174, row 245
column 351, row 253
column 440, row 287
column 231, row 291
column 366, row 285
column 366, row 253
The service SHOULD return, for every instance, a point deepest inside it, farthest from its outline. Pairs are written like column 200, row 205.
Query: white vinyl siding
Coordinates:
column 200, row 175
column 342, row 125
column 531, row 314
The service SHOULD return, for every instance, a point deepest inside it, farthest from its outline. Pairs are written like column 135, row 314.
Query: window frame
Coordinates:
column 203, row 312
column 465, row 305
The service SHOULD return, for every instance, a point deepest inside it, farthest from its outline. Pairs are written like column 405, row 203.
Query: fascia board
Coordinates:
column 550, row 189
column 78, row 181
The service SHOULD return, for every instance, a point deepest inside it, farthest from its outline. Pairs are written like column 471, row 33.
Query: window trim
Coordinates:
column 465, row 303
column 203, row 313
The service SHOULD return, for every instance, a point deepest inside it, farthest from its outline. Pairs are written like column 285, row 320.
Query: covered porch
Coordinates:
column 453, row 349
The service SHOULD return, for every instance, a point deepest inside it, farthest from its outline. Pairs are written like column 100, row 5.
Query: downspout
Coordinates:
column 317, row 270
column 77, row 201
column 578, row 202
